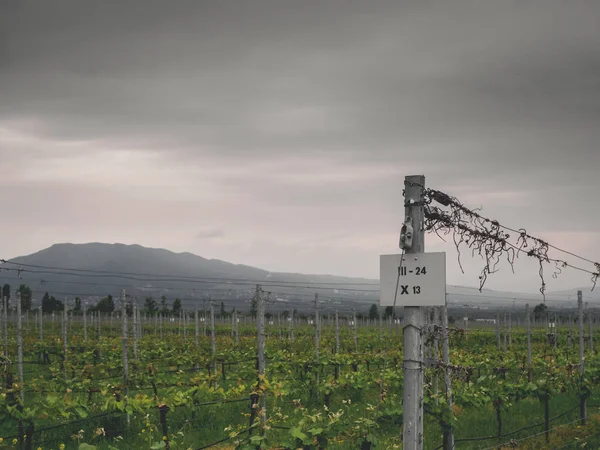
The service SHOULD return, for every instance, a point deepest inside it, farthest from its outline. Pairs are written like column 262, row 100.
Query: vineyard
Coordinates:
column 196, row 381
column 140, row 377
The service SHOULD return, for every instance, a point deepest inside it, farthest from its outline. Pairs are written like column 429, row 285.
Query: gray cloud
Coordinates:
column 210, row 234
column 294, row 121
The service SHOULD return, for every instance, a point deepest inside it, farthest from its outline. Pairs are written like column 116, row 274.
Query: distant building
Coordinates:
column 486, row 320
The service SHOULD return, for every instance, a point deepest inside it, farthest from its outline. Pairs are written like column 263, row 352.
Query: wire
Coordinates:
column 534, row 435
column 308, row 295
column 178, row 277
column 552, row 246
column 223, row 440
column 490, row 240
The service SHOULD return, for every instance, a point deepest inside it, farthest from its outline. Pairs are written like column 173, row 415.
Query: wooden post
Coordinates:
column 413, row 316
column 84, row 324
column 582, row 400
column 184, row 315
column 355, row 323
column 337, row 332
column 197, row 327
column 64, row 336
column 317, row 339
column 125, row 345
column 555, row 331
column 163, row 410
column 498, row 330
column 4, row 321
column 237, row 331
column 213, row 341
column 436, row 349
column 20, row 349
column 205, row 319
column 505, row 331
column 570, row 339
column 292, row 326
column 98, row 326
column 528, row 321
column 448, row 430
column 261, row 352
column 64, row 330
column 509, row 329
column 135, row 332
column 41, row 324
column 591, row 331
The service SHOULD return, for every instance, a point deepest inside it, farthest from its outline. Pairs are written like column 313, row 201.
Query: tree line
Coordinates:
column 26, row 296
column 153, row 308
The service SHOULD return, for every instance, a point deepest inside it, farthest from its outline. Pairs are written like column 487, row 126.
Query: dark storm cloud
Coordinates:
column 305, row 76
column 303, row 107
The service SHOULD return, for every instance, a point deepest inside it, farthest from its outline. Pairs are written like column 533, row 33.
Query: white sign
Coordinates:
column 417, row 279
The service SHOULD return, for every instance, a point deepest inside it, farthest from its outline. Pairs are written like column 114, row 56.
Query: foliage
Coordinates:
column 164, row 306
column 176, row 307
column 389, row 312
column 77, row 309
column 26, row 297
column 350, row 399
column 129, row 308
column 50, row 304
column 150, row 306
column 6, row 293
column 105, row 305
column 373, row 312
column 540, row 311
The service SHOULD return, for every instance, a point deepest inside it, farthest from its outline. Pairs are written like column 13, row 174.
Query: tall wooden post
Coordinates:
column 413, row 319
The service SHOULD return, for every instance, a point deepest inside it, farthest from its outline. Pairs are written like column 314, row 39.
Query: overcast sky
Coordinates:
column 278, row 133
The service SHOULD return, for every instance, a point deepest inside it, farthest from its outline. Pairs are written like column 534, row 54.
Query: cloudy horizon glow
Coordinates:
column 278, row 134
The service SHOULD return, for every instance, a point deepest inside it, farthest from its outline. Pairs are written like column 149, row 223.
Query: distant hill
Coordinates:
column 588, row 294
column 94, row 270
column 98, row 269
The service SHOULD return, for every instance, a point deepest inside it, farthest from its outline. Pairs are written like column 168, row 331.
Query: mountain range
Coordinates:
column 94, row 270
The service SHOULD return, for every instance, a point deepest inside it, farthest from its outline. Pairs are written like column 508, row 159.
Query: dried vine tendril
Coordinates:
column 491, row 240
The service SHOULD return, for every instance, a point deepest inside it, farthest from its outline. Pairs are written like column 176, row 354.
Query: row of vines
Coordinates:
column 182, row 393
